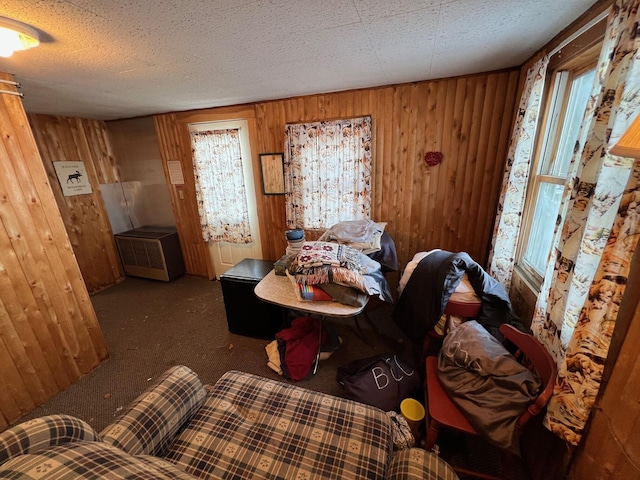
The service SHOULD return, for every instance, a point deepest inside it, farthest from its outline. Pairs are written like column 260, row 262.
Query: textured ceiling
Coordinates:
column 109, row 59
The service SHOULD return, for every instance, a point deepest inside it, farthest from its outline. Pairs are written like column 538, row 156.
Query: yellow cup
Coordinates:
column 413, row 412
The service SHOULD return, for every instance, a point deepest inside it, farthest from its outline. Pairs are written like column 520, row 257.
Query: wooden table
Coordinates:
column 280, row 290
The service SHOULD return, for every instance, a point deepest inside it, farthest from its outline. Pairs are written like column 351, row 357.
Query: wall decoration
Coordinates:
column 272, row 166
column 73, row 178
column 175, row 172
column 433, row 158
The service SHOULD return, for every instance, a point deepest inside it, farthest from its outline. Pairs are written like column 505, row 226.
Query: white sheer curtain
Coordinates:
column 516, row 177
column 327, row 172
column 220, row 189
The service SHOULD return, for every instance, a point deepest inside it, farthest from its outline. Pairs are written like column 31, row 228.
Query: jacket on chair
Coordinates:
column 431, row 284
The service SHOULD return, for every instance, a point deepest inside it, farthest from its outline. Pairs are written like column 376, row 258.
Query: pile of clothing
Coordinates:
column 434, row 280
column 338, row 267
column 294, row 351
column 363, row 235
column 342, row 272
column 489, row 386
column 369, row 238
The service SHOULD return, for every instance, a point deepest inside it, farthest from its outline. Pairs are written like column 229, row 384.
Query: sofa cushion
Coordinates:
column 252, row 427
column 149, row 424
column 88, row 460
column 418, row 463
column 44, row 432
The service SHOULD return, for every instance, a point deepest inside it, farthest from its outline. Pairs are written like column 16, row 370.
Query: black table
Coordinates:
column 247, row 314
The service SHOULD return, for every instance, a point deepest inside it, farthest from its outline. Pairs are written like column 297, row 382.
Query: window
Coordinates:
column 569, row 93
column 327, row 172
column 220, row 180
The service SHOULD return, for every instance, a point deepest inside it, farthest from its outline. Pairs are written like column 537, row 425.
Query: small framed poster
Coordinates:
column 73, row 178
column 272, row 166
column 175, row 172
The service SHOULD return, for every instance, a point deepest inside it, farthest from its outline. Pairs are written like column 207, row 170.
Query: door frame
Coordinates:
column 243, row 126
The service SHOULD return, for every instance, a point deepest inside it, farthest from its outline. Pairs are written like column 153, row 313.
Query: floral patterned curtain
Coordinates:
column 599, row 228
column 327, row 172
column 220, row 190
column 516, row 177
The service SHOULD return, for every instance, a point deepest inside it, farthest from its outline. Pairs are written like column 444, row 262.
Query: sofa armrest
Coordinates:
column 38, row 434
column 149, row 424
column 89, row 461
column 416, row 463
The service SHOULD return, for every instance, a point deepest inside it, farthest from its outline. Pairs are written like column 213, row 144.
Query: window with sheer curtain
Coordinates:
column 327, row 172
column 570, row 93
column 220, row 188
column 592, row 227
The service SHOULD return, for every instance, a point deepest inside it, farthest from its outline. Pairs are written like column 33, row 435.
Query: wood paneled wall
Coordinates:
column 450, row 206
column 174, row 146
column 49, row 333
column 85, row 216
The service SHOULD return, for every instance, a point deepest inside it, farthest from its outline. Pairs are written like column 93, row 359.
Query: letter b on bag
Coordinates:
column 382, row 381
column 379, row 376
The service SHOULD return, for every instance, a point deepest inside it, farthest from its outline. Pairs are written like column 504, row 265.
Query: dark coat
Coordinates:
column 435, row 278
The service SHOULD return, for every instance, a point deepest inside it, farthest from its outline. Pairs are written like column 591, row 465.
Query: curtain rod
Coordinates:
column 579, row 32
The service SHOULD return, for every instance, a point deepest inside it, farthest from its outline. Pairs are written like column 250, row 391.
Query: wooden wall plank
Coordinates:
column 450, row 142
column 428, row 206
column 173, row 148
column 21, row 288
column 418, row 166
column 85, row 216
column 462, row 175
column 402, row 174
column 49, row 333
column 466, row 233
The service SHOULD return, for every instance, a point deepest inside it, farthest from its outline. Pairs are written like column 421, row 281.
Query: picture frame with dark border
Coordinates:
column 272, row 169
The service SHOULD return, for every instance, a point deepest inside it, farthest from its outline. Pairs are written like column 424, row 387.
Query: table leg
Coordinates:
column 315, row 366
column 373, row 326
column 359, row 331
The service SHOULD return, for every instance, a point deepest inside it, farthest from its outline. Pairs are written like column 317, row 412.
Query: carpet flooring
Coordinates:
column 150, row 326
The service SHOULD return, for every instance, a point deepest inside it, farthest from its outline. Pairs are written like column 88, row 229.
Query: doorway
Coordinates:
column 225, row 254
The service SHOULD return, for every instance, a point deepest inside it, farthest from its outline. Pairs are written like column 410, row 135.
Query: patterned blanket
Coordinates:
column 319, row 263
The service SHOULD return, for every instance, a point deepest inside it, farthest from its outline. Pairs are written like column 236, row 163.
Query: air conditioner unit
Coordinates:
column 151, row 252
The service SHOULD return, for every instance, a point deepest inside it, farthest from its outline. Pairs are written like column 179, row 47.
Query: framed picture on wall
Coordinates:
column 272, row 168
column 73, row 178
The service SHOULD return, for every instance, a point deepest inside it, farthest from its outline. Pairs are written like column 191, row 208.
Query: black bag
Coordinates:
column 382, row 380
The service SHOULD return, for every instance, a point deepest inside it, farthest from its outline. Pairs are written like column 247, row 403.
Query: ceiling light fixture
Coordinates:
column 15, row 36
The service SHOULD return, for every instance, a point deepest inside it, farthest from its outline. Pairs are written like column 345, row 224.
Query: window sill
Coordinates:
column 527, row 280
column 524, row 294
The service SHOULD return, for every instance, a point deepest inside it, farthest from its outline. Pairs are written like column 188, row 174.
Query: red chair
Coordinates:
column 453, row 308
column 442, row 412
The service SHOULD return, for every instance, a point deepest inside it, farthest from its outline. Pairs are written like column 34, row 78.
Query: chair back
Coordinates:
column 462, row 309
column 536, row 357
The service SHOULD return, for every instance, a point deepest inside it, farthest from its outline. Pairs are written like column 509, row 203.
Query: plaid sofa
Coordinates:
column 243, row 427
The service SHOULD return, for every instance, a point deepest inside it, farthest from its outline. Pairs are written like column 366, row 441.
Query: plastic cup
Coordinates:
column 413, row 412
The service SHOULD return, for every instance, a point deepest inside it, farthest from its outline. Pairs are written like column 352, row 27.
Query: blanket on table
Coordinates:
column 324, row 263
column 367, row 236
